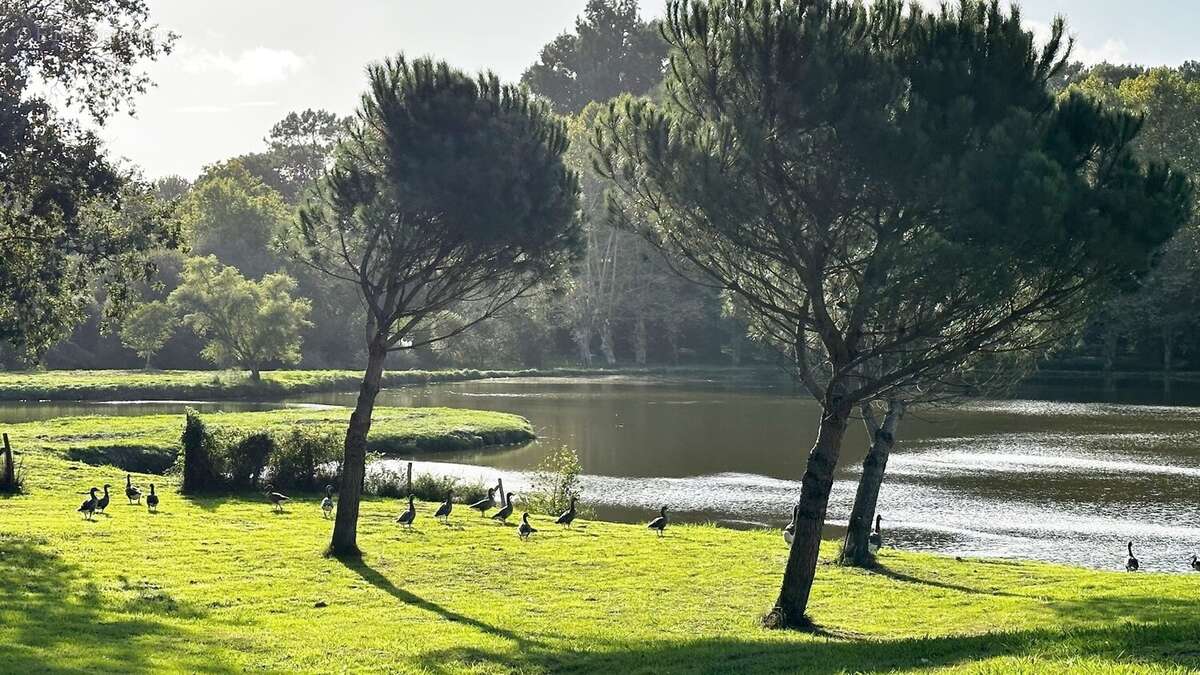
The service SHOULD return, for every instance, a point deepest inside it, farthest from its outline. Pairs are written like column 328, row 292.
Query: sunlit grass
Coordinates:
column 226, row 585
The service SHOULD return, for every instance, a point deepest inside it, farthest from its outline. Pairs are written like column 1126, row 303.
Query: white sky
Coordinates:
column 241, row 65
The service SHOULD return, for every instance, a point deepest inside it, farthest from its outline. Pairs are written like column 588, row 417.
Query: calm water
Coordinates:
column 1049, row 480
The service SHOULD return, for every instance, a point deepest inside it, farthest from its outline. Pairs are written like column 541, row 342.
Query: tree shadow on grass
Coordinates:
column 54, row 618
column 903, row 577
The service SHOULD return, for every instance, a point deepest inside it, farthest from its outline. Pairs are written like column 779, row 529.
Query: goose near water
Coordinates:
column 88, row 507
column 327, row 502
column 443, row 511
column 131, row 492
column 152, row 500
column 659, row 523
column 486, row 503
column 406, row 519
column 525, row 529
column 505, row 511
column 875, row 539
column 789, row 532
column 102, row 503
column 567, row 516
column 276, row 498
column 1131, row 563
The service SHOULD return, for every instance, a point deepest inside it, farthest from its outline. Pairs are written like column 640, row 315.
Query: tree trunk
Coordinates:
column 1110, row 357
column 883, row 438
column 583, row 339
column 789, row 610
column 255, row 374
column 639, row 341
column 606, row 343
column 147, row 366
column 1168, row 362
column 345, row 528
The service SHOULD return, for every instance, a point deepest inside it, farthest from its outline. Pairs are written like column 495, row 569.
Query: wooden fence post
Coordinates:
column 9, row 479
column 409, row 481
column 503, row 498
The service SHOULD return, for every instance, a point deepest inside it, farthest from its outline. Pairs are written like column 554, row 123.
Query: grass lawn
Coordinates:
column 216, row 585
column 150, row 442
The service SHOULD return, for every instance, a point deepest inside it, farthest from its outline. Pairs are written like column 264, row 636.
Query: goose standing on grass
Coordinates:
column 131, row 492
column 276, row 498
column 789, row 532
column 443, row 511
column 875, row 539
column 88, row 507
column 505, row 511
column 525, row 529
column 659, row 523
column 327, row 502
column 1131, row 563
column 102, row 503
column 486, row 503
column 1195, row 563
column 567, row 516
column 152, row 500
column 406, row 519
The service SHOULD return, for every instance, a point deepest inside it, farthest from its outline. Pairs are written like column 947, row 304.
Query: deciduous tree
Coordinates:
column 148, row 327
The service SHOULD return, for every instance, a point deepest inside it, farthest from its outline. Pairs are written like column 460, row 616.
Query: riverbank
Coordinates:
column 150, row 442
column 224, row 585
column 127, row 385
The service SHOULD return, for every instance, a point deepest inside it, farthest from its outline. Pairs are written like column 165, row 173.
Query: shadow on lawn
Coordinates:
column 55, row 618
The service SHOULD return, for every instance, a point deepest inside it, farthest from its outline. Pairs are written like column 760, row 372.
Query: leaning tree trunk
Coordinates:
column 345, row 528
column 583, row 340
column 789, row 610
column 883, row 438
column 606, row 343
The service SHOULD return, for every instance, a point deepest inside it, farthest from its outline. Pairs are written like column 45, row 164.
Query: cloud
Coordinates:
column 261, row 65
column 229, row 107
column 1112, row 51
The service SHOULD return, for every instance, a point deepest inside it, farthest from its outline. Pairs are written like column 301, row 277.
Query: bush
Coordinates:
column 425, row 486
column 555, row 482
column 305, row 459
column 201, row 460
column 247, row 457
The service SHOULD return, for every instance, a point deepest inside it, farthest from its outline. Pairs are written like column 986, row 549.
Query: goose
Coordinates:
column 567, row 516
column 443, row 511
column 659, row 523
column 276, row 498
column 486, row 503
column 505, row 511
column 875, row 540
column 152, row 500
column 789, row 532
column 131, row 492
column 406, row 519
column 1131, row 563
column 102, row 503
column 525, row 529
column 1195, row 563
column 327, row 502
column 88, row 507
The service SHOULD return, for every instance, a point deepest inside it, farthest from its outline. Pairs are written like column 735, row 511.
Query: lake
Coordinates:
column 1051, row 480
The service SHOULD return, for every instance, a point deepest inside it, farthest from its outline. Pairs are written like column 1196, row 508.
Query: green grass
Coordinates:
column 77, row 385
column 219, row 585
column 150, row 442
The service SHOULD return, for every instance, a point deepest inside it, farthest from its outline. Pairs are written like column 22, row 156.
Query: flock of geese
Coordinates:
column 96, row 503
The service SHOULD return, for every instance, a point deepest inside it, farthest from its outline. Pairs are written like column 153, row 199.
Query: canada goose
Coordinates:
column 131, row 492
column 1131, row 563
column 659, row 523
column 1195, row 563
column 102, row 503
column 406, row 519
column 443, row 511
column 525, row 529
column 486, row 503
column 505, row 511
column 276, row 498
column 152, row 500
column 88, row 507
column 789, row 532
column 567, row 516
column 327, row 502
column 875, row 539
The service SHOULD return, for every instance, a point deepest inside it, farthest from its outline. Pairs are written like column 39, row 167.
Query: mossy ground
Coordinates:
column 215, row 585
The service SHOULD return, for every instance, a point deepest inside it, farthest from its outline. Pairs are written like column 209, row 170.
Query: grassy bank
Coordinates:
column 218, row 585
column 93, row 385
column 150, row 442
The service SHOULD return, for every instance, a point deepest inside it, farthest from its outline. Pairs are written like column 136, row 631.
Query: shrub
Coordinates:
column 555, row 482
column 305, row 459
column 247, row 457
column 425, row 486
column 201, row 461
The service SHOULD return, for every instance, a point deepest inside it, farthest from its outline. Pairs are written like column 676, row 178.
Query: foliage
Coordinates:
column 148, row 327
column 555, row 482
column 392, row 483
column 302, row 457
column 202, row 471
column 247, row 323
column 246, row 458
column 612, row 51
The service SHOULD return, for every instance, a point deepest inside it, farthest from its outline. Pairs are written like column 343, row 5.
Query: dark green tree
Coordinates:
column 611, row 52
column 893, row 194
column 449, row 194
column 61, row 225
